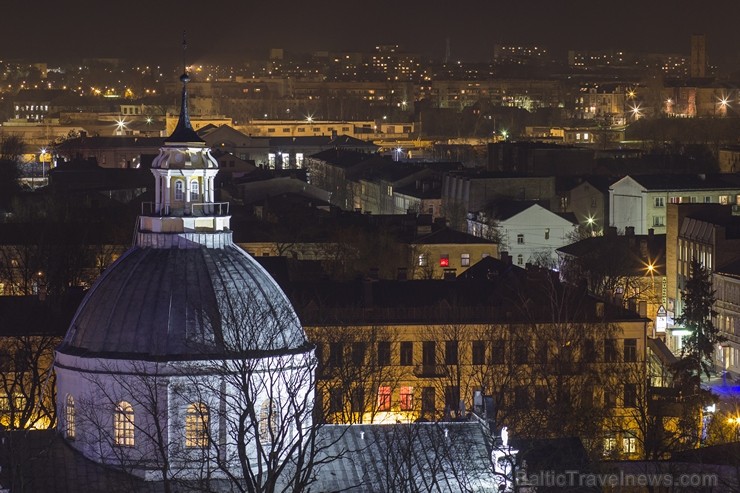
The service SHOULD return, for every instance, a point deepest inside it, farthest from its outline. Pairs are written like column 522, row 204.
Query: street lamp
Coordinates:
column 121, row 125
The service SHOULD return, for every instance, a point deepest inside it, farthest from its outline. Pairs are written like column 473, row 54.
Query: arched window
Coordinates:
column 123, row 424
column 69, row 417
column 179, row 194
column 269, row 419
column 196, row 425
column 194, row 190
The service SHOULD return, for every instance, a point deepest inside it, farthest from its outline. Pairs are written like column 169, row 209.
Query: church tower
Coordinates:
column 181, row 338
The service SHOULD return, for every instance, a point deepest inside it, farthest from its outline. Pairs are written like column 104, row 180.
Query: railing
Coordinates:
column 196, row 209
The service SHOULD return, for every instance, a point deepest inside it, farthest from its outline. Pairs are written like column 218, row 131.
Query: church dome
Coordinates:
column 184, row 303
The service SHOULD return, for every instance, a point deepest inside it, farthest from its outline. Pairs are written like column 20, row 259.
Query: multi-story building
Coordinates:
column 640, row 201
column 709, row 233
column 726, row 284
column 447, row 253
column 403, row 350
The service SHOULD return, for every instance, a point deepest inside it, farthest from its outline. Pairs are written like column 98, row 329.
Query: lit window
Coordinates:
column 123, row 424
column 520, row 239
column 444, row 260
column 269, row 419
column 271, row 160
column 194, row 190
column 384, row 398
column 407, row 399
column 629, row 444
column 465, row 259
column 69, row 415
column 610, row 445
column 585, row 136
column 299, row 159
column 179, row 194
column 547, row 233
column 196, row 425
column 422, row 260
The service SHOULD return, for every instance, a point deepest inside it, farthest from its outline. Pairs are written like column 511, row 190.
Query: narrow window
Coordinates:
column 123, row 424
column 196, row 425
column 269, row 419
column 451, row 352
column 407, row 353
column 479, row 352
column 384, row 353
column 69, row 413
column 194, row 190
column 179, row 194
column 407, row 398
column 384, row 398
column 465, row 259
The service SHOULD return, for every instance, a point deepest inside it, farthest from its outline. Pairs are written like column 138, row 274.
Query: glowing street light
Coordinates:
column 636, row 111
column 397, row 151
column 121, row 124
column 309, row 119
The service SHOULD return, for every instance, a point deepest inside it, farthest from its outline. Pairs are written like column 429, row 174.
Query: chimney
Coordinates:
column 651, row 233
column 506, row 258
column 611, row 231
column 402, row 274
column 629, row 231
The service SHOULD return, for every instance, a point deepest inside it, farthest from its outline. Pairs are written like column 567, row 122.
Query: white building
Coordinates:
column 640, row 201
column 528, row 231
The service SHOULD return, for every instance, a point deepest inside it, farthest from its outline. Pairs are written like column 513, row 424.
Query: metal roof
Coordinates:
column 184, row 303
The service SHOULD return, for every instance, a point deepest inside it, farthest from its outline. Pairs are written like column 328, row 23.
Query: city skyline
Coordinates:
column 49, row 31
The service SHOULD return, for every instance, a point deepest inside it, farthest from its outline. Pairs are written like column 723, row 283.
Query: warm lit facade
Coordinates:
column 387, row 371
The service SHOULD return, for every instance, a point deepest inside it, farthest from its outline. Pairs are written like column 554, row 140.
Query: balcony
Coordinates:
column 430, row 371
column 196, row 209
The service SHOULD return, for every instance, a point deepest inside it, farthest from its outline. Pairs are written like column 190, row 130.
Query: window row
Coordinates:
column 481, row 352
column 197, row 423
column 444, row 259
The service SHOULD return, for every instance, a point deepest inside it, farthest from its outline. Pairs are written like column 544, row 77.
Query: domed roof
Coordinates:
column 184, row 303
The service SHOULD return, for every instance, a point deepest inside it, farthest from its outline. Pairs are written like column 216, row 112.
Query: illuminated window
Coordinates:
column 444, row 260
column 422, row 260
column 610, row 446
column 179, row 186
column 407, row 399
column 384, row 398
column 123, row 424
column 629, row 444
column 271, row 160
column 299, row 160
column 69, row 417
column 465, row 259
column 194, row 190
column 269, row 419
column 196, row 425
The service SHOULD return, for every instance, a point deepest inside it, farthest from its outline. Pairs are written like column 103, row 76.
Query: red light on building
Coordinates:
column 444, row 261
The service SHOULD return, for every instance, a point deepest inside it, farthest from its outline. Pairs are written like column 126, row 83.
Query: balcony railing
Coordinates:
column 195, row 209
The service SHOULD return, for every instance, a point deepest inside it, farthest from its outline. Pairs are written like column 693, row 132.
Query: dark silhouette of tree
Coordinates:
column 698, row 300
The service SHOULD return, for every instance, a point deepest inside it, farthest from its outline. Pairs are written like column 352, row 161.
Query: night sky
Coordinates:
column 71, row 29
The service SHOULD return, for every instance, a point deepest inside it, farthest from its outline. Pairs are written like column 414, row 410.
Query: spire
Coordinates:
column 184, row 130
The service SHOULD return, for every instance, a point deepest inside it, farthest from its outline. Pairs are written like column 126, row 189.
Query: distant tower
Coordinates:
column 698, row 56
column 447, row 50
